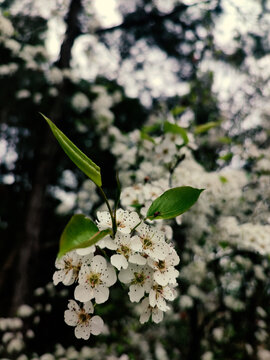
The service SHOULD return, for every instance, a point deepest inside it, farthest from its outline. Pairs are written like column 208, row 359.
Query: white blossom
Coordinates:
column 140, row 280
column 94, row 280
column 185, row 302
column 166, row 149
column 69, row 266
column 159, row 294
column 126, row 251
column 153, row 242
column 80, row 102
column 85, row 324
column 148, row 310
column 125, row 220
column 86, row 251
column 6, row 27
column 15, row 345
column 23, row 94
column 25, row 311
column 132, row 195
column 54, row 75
column 208, row 355
column 9, row 69
column 164, row 270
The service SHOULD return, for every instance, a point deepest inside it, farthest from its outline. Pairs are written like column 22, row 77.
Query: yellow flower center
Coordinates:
column 161, row 265
column 94, row 279
column 83, row 316
column 68, row 265
column 124, row 250
column 139, row 278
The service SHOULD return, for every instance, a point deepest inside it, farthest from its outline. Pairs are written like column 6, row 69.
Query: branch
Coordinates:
column 72, row 32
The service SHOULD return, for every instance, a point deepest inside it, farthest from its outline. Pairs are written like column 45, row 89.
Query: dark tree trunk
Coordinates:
column 28, row 253
column 195, row 336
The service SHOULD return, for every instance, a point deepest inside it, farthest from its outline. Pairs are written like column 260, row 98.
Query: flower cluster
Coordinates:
column 144, row 260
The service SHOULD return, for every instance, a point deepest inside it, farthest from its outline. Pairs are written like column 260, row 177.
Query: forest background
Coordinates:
column 111, row 75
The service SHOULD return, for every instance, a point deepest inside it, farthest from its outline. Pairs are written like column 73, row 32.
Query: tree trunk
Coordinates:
column 28, row 253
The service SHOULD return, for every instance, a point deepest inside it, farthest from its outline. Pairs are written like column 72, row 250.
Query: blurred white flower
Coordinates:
column 25, row 311
column 80, row 102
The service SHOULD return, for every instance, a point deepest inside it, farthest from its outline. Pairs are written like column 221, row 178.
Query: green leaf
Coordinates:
column 145, row 136
column 224, row 244
column 76, row 155
column 137, row 206
column 80, row 232
column 206, row 127
column 151, row 128
column 175, row 129
column 223, row 179
column 177, row 110
column 173, row 202
column 225, row 140
column 226, row 157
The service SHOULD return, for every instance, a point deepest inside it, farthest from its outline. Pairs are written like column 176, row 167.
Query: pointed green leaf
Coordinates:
column 145, row 136
column 225, row 140
column 227, row 157
column 177, row 110
column 76, row 155
column 175, row 129
column 80, row 232
column 206, row 127
column 173, row 202
column 148, row 129
column 223, row 179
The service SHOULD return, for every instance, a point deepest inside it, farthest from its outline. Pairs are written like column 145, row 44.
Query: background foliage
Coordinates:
column 201, row 65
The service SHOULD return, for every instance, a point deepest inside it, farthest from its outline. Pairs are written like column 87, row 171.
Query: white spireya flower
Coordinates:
column 85, row 324
column 95, row 280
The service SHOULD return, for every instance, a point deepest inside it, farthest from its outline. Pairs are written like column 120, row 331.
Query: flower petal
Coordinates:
column 71, row 317
column 83, row 293
column 58, row 277
column 137, row 259
column 108, row 276
column 161, row 278
column 69, row 278
column 152, row 298
column 125, row 276
column 72, row 305
column 135, row 293
column 86, row 251
column 135, row 243
column 88, row 307
column 157, row 315
column 82, row 331
column 101, row 293
column 98, row 263
column 96, row 325
column 119, row 261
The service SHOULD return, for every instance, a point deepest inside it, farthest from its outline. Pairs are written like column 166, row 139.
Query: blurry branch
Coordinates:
column 72, row 32
column 133, row 21
column 215, row 267
column 174, row 166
